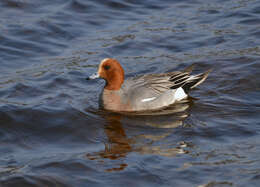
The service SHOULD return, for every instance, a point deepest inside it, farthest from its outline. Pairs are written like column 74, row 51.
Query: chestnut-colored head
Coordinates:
column 110, row 70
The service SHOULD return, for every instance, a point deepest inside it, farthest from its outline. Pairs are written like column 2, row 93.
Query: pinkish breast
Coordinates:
column 113, row 100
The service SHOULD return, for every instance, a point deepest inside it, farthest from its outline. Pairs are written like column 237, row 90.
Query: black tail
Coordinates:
column 195, row 80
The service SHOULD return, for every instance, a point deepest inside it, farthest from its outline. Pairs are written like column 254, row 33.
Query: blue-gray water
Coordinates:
column 52, row 131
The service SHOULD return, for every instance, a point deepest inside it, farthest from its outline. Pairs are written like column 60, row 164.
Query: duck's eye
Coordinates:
column 106, row 67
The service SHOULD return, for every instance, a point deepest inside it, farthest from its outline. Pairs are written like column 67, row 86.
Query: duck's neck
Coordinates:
column 114, row 82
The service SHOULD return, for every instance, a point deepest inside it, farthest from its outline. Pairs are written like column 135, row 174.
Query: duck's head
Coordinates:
column 112, row 72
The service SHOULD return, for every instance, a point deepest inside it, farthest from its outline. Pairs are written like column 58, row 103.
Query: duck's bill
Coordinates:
column 94, row 76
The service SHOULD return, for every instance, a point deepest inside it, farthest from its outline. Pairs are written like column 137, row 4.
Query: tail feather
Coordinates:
column 195, row 80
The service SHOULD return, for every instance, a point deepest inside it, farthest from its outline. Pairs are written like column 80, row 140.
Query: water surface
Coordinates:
column 53, row 132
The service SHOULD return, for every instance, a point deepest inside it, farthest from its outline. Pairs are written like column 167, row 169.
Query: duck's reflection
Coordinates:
column 118, row 145
column 148, row 142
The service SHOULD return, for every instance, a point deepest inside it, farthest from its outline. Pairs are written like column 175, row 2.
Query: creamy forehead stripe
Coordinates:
column 148, row 99
column 104, row 60
column 100, row 65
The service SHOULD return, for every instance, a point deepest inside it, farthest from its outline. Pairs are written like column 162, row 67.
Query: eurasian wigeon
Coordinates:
column 144, row 92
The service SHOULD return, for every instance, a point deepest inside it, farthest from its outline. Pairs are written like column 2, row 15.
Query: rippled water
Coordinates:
column 52, row 130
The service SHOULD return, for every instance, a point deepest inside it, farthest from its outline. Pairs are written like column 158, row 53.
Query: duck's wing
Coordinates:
column 159, row 83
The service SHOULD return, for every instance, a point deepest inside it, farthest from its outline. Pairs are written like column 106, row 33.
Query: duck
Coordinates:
column 146, row 92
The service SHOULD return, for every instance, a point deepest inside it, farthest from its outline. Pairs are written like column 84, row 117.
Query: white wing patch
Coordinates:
column 148, row 99
column 180, row 94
